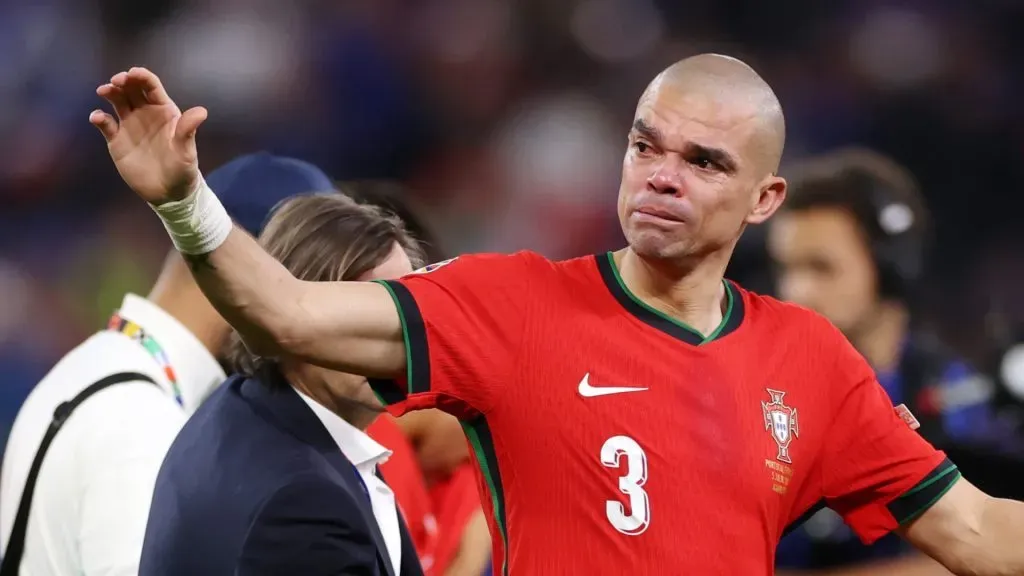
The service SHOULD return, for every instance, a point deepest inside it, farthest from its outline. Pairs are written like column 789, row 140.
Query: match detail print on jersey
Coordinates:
column 589, row 391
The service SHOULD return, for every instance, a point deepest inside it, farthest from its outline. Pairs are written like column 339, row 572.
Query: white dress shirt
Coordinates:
column 94, row 489
column 366, row 454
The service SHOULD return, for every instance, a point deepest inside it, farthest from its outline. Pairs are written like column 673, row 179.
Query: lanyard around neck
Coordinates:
column 136, row 333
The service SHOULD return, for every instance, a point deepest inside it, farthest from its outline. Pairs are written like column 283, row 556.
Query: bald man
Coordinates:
column 630, row 412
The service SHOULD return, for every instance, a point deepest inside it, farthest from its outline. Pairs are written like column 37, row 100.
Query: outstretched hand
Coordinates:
column 152, row 143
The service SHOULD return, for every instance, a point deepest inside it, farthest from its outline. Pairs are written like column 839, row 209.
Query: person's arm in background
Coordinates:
column 474, row 548
column 349, row 326
column 119, row 458
column 464, row 542
column 439, row 441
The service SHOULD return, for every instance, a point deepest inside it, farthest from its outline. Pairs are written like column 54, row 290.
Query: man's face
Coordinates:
column 824, row 263
column 690, row 179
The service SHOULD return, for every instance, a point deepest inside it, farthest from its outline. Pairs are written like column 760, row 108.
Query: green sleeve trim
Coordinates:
column 925, row 494
column 405, row 332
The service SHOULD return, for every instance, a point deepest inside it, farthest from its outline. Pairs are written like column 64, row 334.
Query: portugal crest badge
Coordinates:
column 782, row 422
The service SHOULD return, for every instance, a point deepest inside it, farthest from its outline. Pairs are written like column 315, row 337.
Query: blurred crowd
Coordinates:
column 506, row 118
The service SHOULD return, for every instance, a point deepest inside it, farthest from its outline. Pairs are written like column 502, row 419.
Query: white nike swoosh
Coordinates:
column 588, row 391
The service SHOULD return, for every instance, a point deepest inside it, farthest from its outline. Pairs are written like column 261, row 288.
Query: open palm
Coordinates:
column 151, row 142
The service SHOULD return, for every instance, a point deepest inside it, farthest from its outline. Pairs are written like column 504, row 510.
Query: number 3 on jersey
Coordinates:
column 623, row 452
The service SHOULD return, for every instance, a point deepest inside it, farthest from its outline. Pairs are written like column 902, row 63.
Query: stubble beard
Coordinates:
column 655, row 247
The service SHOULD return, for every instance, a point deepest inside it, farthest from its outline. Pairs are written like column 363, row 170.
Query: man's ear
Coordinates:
column 770, row 195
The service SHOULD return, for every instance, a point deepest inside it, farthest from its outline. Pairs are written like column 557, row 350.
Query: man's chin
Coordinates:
column 652, row 246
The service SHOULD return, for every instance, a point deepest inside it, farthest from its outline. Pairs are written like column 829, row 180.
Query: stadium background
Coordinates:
column 506, row 120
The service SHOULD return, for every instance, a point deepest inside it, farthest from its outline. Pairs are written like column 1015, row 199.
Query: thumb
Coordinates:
column 189, row 123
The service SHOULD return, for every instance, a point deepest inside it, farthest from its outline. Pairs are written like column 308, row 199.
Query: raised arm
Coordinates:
column 350, row 326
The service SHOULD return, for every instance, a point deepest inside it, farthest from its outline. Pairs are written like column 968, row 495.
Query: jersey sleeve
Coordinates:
column 463, row 322
column 877, row 472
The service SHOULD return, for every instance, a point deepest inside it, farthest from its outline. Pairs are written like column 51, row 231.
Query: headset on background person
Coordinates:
column 898, row 232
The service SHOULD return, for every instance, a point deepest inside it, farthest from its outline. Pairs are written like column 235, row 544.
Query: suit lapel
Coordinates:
column 352, row 479
column 285, row 407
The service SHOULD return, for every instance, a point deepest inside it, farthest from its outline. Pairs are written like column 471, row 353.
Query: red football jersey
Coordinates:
column 613, row 439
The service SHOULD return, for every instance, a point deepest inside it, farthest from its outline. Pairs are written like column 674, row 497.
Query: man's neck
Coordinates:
column 355, row 414
column 201, row 320
column 880, row 338
column 358, row 416
column 693, row 294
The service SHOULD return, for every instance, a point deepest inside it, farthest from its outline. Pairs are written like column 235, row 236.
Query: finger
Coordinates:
column 129, row 87
column 105, row 123
column 189, row 123
column 152, row 88
column 132, row 88
column 119, row 79
column 117, row 99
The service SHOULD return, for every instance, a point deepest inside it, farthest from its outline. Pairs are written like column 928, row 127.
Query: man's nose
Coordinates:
column 666, row 179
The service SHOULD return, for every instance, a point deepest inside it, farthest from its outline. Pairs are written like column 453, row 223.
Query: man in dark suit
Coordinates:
column 272, row 475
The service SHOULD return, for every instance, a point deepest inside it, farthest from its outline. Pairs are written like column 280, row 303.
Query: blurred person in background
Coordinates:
column 82, row 508
column 850, row 243
column 275, row 474
column 436, row 484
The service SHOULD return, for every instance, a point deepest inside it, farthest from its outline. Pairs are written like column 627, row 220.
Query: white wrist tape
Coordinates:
column 198, row 224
